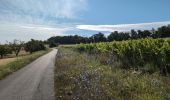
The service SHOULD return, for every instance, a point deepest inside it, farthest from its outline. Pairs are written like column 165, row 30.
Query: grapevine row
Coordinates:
column 151, row 54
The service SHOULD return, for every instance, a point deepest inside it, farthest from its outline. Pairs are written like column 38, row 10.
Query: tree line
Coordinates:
column 161, row 32
column 16, row 46
column 36, row 45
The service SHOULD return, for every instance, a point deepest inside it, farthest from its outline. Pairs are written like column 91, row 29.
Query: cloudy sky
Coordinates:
column 41, row 19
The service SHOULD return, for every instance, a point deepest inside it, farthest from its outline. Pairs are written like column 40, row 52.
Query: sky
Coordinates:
column 41, row 19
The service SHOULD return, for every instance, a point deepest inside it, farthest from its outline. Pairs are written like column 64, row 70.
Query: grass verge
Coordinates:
column 81, row 76
column 19, row 63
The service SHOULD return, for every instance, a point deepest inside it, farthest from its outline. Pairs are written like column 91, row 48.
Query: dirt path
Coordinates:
column 33, row 82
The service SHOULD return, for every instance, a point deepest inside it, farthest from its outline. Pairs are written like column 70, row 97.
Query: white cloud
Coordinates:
column 122, row 27
column 40, row 11
column 9, row 32
column 38, row 19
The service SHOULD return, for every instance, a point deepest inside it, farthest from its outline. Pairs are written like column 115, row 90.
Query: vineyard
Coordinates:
column 148, row 54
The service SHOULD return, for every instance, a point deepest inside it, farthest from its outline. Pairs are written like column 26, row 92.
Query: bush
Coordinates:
column 53, row 44
column 16, row 46
column 5, row 49
column 34, row 45
column 136, row 53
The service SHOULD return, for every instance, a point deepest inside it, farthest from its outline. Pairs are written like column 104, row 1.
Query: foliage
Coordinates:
column 53, row 44
column 34, row 45
column 98, row 37
column 16, row 46
column 68, row 39
column 136, row 54
column 82, row 76
column 5, row 49
column 118, row 36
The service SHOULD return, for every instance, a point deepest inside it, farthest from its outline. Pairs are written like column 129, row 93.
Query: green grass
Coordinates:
column 83, row 76
column 19, row 63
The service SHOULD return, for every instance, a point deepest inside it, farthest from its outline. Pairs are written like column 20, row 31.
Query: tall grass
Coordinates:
column 81, row 76
column 19, row 63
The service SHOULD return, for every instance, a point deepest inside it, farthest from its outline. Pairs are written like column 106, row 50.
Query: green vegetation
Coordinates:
column 16, row 46
column 53, row 44
column 19, row 63
column 34, row 45
column 84, row 76
column 147, row 55
column 4, row 50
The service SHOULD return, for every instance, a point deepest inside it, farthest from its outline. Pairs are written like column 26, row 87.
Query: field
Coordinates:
column 6, row 61
column 12, row 57
column 21, row 53
column 10, row 65
column 94, row 71
column 148, row 55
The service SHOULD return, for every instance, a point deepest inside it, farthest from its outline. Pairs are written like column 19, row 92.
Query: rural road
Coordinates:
column 33, row 82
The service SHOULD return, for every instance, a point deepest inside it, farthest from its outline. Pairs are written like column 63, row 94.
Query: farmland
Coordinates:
column 6, row 61
column 18, row 54
column 149, row 54
column 17, row 63
column 131, row 70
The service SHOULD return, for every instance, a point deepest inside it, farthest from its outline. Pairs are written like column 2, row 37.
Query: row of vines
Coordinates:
column 149, row 54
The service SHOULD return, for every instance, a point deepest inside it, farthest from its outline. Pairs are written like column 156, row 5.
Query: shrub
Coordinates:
column 53, row 44
column 5, row 49
column 135, row 53
column 34, row 45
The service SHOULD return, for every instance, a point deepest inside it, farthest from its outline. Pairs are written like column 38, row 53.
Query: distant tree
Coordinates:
column 161, row 32
column 34, row 45
column 134, row 34
column 98, row 37
column 16, row 46
column 69, row 39
column 164, row 31
column 123, row 36
column 113, row 36
column 153, row 31
column 5, row 49
column 53, row 44
column 145, row 34
column 118, row 36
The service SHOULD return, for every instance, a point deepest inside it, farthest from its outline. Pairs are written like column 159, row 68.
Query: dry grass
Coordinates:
column 12, row 57
column 22, row 53
column 6, row 61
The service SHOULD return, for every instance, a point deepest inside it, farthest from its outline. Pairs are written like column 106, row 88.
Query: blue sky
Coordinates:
column 41, row 19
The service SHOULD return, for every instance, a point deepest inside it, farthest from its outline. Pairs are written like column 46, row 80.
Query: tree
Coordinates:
column 16, row 46
column 145, row 34
column 98, row 37
column 118, row 36
column 123, row 36
column 34, row 45
column 113, row 36
column 164, row 31
column 53, row 44
column 134, row 34
column 5, row 49
column 69, row 39
column 161, row 32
